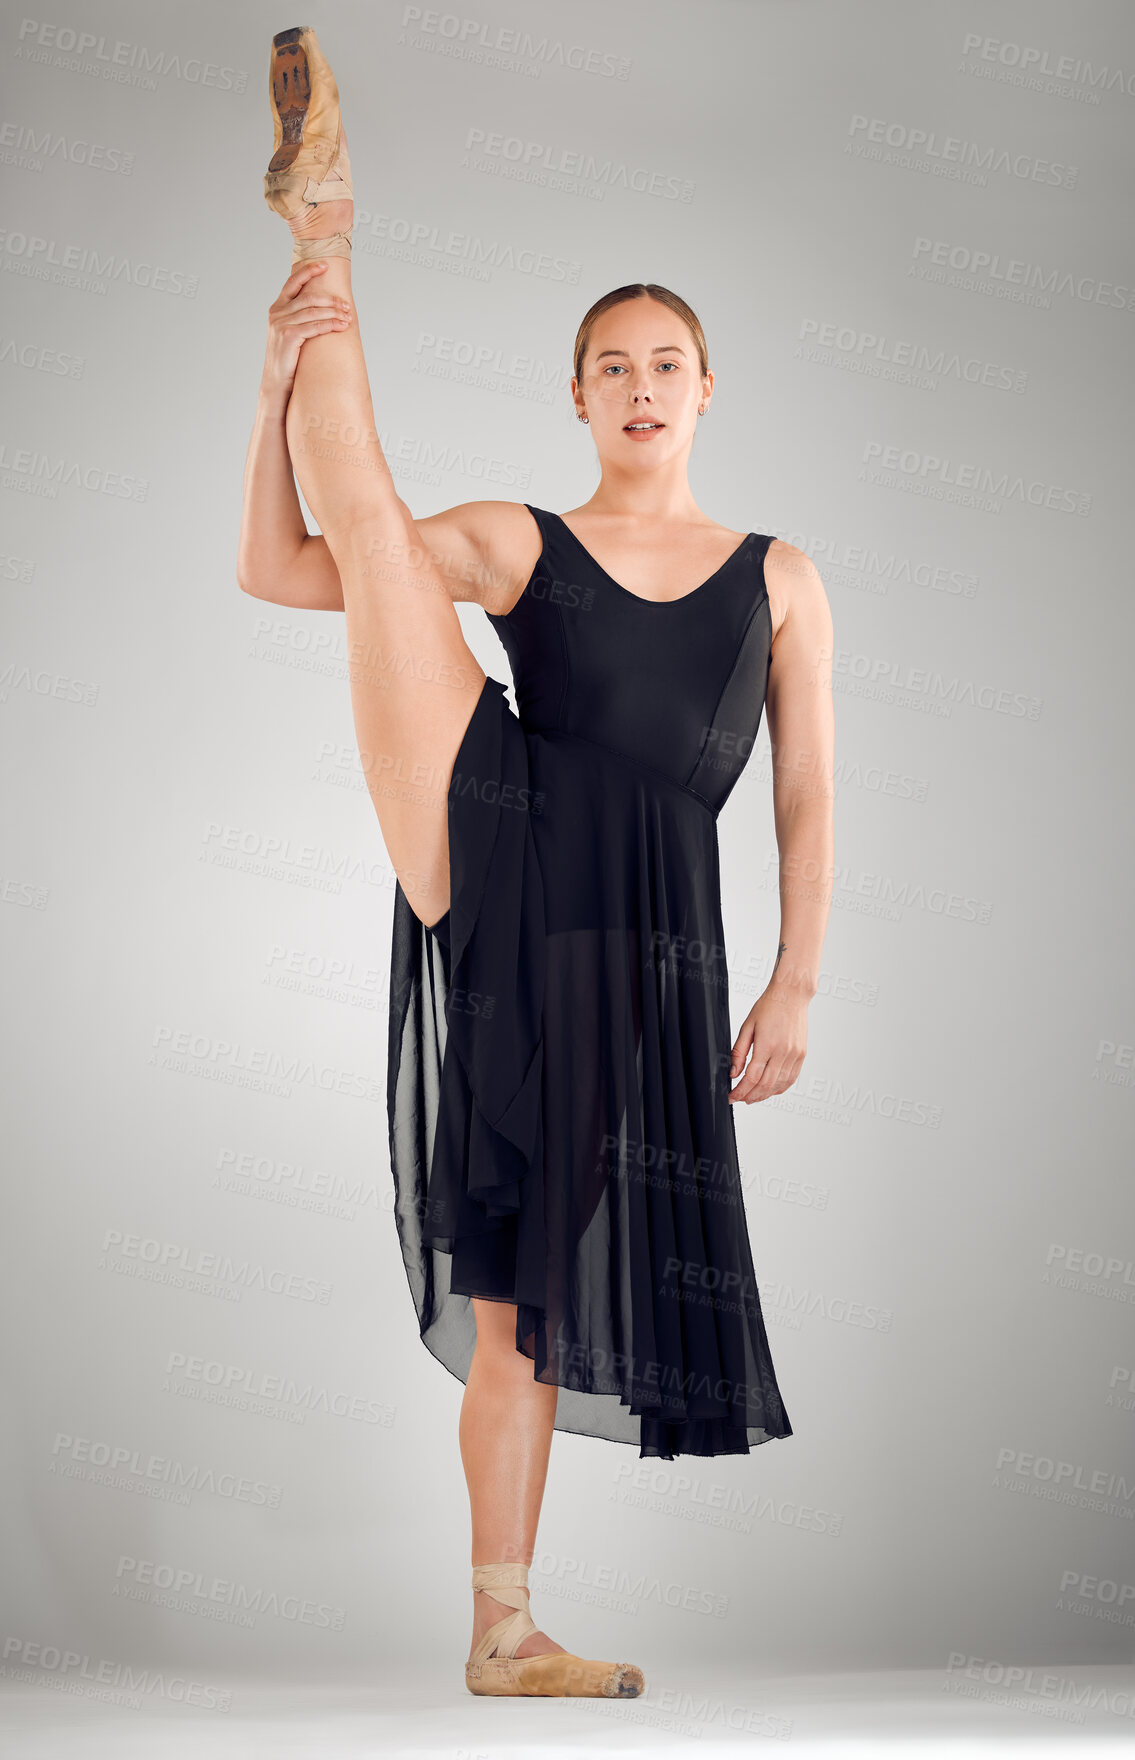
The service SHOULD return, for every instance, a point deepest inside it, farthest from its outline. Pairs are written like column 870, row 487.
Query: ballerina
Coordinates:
column 567, row 1185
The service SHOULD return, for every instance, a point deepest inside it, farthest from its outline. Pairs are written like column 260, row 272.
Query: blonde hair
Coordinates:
column 640, row 290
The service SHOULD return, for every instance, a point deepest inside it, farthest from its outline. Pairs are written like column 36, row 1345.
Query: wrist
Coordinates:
column 791, row 980
column 272, row 403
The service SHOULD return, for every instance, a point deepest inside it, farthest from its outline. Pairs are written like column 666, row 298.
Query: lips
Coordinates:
column 632, row 427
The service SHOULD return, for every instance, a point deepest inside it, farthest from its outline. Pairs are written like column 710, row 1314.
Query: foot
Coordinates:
column 486, row 1613
column 310, row 167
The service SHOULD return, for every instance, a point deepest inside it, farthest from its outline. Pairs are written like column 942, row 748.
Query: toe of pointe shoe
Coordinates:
column 307, row 139
column 619, row 1680
column 627, row 1681
column 583, row 1677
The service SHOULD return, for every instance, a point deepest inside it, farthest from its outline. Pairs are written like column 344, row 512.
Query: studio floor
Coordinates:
column 429, row 1716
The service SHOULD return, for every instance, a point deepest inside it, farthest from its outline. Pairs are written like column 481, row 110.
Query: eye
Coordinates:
column 673, row 364
column 613, row 367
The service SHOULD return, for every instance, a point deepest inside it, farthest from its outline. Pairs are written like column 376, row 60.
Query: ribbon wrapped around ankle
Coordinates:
column 282, row 192
column 506, row 1583
column 312, row 250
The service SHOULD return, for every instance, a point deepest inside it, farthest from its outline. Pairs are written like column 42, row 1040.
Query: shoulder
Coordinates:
column 487, row 550
column 795, row 590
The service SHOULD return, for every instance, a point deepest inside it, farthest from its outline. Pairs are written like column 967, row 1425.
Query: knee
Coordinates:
column 496, row 1329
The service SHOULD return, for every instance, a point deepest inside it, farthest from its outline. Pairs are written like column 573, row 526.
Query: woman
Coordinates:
column 561, row 1134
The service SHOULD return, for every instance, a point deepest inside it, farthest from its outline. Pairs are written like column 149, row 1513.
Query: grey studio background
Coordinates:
column 906, row 231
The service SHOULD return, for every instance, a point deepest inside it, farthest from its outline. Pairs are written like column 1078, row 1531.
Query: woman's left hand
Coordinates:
column 776, row 1034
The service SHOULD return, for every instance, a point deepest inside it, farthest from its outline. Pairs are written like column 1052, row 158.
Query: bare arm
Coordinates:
column 801, row 722
column 483, row 550
column 277, row 557
column 480, row 548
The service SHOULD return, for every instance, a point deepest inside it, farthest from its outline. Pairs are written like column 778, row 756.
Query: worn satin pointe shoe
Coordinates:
column 309, row 162
column 494, row 1666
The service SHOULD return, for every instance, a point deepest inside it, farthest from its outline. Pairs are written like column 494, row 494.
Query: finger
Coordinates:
column 307, row 310
column 786, row 1074
column 300, row 276
column 792, row 1071
column 318, row 297
column 740, row 1048
column 313, row 304
column 333, row 327
column 777, row 1078
column 751, row 1079
column 759, row 1081
column 312, row 317
column 789, row 1068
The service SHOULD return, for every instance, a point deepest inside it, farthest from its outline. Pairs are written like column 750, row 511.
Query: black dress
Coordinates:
column 560, row 1131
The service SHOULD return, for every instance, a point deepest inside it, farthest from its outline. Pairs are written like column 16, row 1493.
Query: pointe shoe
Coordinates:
column 494, row 1666
column 309, row 162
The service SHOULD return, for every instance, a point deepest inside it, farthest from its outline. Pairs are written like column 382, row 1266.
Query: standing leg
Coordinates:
column 506, row 1438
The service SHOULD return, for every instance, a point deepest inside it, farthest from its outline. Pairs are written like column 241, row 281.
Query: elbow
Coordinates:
column 249, row 578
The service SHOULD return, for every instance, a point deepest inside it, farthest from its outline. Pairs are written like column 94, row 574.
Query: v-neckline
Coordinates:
column 642, row 600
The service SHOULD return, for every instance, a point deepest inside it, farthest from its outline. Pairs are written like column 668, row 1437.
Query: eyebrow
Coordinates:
column 622, row 351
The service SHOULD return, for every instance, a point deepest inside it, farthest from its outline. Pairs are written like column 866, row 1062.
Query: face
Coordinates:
column 641, row 367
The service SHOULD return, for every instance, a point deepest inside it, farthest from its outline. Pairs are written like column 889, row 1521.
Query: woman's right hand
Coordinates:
column 303, row 309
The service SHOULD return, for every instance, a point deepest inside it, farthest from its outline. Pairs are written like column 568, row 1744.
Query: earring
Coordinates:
column 586, row 419
column 701, row 409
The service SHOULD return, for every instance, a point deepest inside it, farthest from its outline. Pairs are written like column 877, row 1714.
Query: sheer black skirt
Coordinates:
column 560, row 1132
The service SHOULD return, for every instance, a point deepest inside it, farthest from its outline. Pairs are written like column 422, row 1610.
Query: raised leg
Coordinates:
column 414, row 679
column 505, row 1434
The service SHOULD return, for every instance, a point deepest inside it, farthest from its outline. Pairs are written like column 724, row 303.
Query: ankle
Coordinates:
column 322, row 219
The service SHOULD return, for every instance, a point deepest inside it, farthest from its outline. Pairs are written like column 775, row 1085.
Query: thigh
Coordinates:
column 415, row 683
